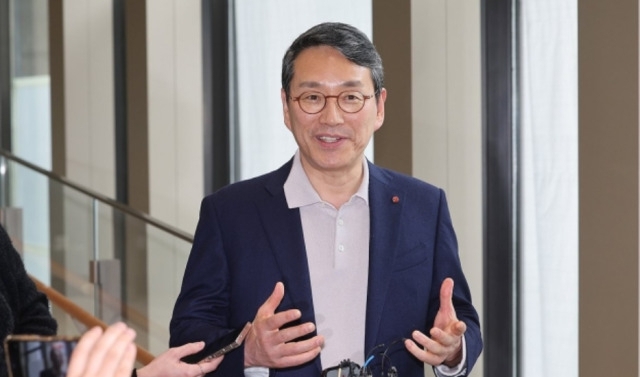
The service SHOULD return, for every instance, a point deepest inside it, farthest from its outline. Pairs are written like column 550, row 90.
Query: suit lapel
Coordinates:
column 284, row 231
column 385, row 206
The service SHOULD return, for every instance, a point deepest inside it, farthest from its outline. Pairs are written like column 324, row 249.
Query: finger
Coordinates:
column 419, row 353
column 128, row 360
column 79, row 358
column 420, row 339
column 294, row 332
column 450, row 335
column 265, row 336
column 269, row 306
column 210, row 365
column 426, row 349
column 297, row 353
column 276, row 321
column 446, row 295
column 109, row 349
column 302, row 346
column 459, row 329
column 188, row 349
column 298, row 359
column 120, row 355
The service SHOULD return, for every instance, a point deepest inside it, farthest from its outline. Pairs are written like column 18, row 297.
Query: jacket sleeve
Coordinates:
column 449, row 265
column 201, row 312
column 28, row 307
column 23, row 310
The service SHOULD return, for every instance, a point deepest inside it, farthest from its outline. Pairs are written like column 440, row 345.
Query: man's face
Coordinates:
column 331, row 141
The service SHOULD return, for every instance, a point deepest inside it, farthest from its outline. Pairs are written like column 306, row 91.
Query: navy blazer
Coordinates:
column 247, row 239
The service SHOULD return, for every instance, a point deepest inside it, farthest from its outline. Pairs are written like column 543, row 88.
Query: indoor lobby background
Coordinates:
column 524, row 111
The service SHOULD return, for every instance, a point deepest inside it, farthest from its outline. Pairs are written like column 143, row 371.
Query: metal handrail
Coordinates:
column 102, row 198
column 142, row 355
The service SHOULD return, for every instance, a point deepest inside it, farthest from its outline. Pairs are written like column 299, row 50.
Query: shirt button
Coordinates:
column 340, row 222
column 341, row 248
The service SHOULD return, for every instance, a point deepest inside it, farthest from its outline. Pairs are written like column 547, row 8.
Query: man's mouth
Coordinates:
column 329, row 139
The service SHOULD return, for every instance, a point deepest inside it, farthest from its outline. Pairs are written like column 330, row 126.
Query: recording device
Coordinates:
column 348, row 368
column 220, row 346
column 38, row 356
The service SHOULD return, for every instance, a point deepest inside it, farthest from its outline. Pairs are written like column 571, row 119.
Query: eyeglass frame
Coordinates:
column 337, row 97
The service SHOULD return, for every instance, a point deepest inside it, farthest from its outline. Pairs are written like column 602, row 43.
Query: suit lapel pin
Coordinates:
column 395, row 199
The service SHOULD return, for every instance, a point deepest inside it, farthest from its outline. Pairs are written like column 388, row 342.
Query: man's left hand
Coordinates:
column 445, row 344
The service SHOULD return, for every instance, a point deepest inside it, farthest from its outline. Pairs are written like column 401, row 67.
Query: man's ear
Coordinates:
column 380, row 108
column 285, row 108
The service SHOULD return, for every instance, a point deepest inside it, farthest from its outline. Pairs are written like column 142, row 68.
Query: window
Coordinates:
column 263, row 32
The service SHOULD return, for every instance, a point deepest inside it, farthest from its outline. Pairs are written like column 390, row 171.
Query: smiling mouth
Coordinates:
column 328, row 139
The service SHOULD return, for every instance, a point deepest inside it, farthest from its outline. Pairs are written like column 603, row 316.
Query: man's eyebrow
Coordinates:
column 315, row 84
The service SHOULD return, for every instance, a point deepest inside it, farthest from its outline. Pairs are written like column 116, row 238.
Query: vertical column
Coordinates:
column 135, row 273
column 137, row 104
column 608, row 187
column 56, row 71
column 392, row 38
column 58, row 148
column 501, row 254
column 217, row 79
column 5, row 75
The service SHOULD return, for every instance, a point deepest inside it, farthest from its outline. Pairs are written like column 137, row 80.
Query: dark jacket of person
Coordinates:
column 23, row 309
column 248, row 239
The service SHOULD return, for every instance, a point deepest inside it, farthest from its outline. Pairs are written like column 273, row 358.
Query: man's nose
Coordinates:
column 332, row 113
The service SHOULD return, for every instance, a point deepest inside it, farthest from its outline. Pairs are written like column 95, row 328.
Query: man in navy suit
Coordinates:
column 330, row 257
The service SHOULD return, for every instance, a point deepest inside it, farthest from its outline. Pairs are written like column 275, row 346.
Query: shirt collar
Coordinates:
column 299, row 192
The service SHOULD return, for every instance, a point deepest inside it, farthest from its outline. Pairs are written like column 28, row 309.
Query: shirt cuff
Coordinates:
column 459, row 370
column 256, row 372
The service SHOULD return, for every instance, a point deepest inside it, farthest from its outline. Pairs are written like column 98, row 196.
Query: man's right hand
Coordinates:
column 267, row 345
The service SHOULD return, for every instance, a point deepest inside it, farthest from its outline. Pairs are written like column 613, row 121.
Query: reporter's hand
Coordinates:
column 110, row 353
column 268, row 345
column 445, row 344
column 168, row 364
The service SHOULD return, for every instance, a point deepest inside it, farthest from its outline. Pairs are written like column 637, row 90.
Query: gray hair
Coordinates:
column 351, row 42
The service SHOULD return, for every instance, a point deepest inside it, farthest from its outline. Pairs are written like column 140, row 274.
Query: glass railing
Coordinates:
column 116, row 263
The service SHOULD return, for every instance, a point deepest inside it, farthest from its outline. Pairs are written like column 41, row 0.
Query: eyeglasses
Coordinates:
column 348, row 101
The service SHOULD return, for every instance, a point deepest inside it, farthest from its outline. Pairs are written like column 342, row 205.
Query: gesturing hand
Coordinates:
column 109, row 354
column 168, row 364
column 445, row 344
column 268, row 345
